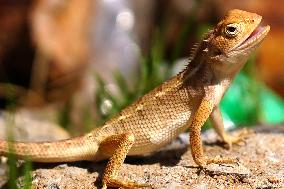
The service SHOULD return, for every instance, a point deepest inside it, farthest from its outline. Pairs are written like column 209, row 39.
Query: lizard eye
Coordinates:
column 231, row 30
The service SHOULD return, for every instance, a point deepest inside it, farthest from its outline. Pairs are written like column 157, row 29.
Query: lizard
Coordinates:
column 183, row 102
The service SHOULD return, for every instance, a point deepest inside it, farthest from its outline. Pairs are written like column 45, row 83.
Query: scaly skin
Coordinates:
column 185, row 101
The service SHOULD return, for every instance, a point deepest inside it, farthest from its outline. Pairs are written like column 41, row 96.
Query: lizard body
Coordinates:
column 185, row 101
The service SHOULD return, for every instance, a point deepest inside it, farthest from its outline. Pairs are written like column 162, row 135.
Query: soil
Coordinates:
column 261, row 165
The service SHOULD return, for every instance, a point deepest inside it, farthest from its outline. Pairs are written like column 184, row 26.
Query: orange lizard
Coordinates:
column 185, row 101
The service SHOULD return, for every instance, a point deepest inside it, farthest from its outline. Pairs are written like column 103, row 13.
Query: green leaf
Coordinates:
column 272, row 107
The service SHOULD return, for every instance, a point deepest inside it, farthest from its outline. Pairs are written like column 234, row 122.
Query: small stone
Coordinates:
column 273, row 179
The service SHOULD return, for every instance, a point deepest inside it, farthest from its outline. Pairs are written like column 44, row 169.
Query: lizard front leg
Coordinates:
column 203, row 112
column 117, row 146
column 218, row 124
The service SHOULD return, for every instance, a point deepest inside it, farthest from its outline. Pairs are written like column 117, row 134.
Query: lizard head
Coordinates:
column 235, row 37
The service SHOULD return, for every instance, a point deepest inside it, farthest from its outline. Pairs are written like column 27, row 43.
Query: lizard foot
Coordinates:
column 221, row 160
column 236, row 139
column 123, row 183
column 217, row 160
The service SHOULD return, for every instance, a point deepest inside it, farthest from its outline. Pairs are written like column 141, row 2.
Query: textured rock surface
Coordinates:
column 261, row 165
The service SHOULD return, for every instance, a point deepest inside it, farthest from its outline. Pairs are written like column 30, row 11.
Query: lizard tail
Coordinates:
column 74, row 149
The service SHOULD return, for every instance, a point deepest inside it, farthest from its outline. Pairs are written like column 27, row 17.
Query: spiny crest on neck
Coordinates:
column 199, row 48
column 203, row 44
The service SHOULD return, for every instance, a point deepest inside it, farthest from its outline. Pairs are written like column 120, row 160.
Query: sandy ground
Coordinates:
column 261, row 165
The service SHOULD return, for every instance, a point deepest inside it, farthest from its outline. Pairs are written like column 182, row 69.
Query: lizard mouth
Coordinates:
column 254, row 38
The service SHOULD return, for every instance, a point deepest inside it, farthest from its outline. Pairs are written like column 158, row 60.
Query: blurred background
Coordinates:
column 77, row 63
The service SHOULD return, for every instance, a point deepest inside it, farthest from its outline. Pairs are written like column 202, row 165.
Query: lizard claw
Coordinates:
column 221, row 160
column 124, row 184
column 203, row 161
column 238, row 138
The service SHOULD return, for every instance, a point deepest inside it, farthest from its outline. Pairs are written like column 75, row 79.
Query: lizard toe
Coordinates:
column 238, row 139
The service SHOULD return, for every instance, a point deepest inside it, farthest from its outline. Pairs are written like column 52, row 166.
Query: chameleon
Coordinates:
column 183, row 102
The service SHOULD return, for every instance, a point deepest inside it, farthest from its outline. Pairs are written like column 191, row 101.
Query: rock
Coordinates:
column 27, row 125
column 261, row 161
